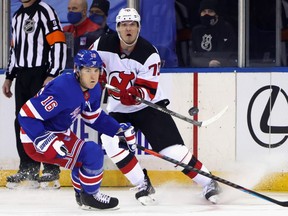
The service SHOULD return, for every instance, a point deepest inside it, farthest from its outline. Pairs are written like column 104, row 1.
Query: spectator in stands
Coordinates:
column 214, row 42
column 98, row 13
column 82, row 32
column 186, row 12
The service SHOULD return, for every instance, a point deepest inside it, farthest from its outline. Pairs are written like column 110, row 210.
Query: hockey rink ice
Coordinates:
column 172, row 199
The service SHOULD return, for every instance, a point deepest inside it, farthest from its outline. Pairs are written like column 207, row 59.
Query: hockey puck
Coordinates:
column 193, row 111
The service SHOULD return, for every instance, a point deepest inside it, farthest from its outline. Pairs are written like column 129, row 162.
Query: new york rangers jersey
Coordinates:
column 140, row 68
column 57, row 106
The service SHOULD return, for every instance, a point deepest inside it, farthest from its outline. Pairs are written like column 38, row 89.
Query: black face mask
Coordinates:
column 208, row 20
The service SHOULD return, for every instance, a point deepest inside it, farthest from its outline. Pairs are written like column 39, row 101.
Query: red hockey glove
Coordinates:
column 128, row 96
column 102, row 79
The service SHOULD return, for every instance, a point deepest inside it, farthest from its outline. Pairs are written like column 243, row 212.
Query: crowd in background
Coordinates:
column 175, row 45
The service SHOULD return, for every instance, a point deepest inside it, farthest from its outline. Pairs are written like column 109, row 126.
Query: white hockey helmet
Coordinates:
column 128, row 14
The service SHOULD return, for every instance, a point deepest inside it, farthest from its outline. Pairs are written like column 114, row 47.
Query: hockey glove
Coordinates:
column 127, row 131
column 60, row 148
column 128, row 96
column 50, row 146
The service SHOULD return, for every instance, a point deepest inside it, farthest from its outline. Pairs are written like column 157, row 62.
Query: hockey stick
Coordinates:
column 170, row 112
column 251, row 192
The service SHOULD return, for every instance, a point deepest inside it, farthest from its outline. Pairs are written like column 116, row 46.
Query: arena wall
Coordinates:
column 227, row 147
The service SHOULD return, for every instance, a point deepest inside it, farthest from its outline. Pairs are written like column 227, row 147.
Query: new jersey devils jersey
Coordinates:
column 140, row 68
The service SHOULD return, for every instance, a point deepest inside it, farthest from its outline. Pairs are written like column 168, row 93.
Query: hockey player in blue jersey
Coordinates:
column 45, row 128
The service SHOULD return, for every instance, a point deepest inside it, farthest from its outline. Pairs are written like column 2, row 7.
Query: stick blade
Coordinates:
column 214, row 118
column 282, row 203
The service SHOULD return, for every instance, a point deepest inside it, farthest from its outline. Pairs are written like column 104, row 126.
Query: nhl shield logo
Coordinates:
column 29, row 26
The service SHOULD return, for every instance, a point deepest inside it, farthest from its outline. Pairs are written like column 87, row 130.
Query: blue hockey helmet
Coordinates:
column 87, row 58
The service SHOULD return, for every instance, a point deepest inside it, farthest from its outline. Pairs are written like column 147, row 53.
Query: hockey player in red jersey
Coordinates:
column 132, row 64
column 46, row 119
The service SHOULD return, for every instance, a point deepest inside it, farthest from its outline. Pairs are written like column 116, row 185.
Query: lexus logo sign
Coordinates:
column 274, row 92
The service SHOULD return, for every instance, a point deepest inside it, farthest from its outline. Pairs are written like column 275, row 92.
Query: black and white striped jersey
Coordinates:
column 37, row 40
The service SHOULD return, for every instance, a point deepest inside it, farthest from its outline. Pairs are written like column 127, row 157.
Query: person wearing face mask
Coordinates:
column 98, row 13
column 214, row 43
column 81, row 32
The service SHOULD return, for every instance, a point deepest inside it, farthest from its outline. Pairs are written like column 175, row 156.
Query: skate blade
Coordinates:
column 51, row 185
column 147, row 200
column 23, row 185
column 89, row 208
column 214, row 199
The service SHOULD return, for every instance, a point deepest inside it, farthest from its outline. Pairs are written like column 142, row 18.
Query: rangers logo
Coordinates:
column 83, row 41
column 75, row 113
column 29, row 26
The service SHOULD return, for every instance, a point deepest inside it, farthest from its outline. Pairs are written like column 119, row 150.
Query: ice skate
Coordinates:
column 78, row 198
column 49, row 181
column 146, row 191
column 23, row 179
column 211, row 192
column 98, row 201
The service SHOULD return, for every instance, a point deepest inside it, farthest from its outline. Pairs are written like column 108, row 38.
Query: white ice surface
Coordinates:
column 172, row 200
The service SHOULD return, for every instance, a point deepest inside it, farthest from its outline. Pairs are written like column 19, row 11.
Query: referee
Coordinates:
column 37, row 55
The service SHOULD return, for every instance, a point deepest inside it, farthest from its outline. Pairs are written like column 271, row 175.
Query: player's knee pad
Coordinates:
column 115, row 153
column 111, row 145
column 178, row 152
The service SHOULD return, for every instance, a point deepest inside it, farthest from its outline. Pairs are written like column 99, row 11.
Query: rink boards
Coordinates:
column 249, row 140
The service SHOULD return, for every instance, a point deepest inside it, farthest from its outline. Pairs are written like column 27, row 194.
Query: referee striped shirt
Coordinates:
column 37, row 40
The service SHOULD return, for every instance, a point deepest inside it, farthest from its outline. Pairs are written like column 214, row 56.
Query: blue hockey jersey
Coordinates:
column 57, row 105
